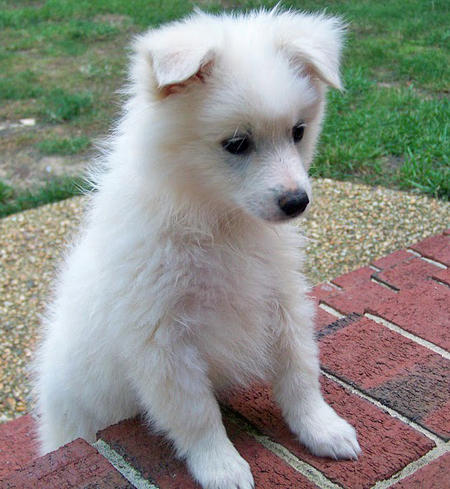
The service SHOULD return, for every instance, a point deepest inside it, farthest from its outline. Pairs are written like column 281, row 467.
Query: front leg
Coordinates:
column 297, row 390
column 172, row 384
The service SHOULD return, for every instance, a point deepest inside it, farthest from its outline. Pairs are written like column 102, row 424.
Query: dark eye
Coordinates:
column 298, row 131
column 237, row 145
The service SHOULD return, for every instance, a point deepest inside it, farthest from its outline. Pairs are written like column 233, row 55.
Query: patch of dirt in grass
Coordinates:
column 116, row 20
column 28, row 168
column 23, row 166
column 393, row 163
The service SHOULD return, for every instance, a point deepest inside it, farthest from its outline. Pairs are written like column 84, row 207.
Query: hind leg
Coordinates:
column 61, row 419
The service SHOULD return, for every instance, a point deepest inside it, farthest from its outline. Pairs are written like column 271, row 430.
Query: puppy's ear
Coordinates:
column 175, row 70
column 178, row 57
column 313, row 45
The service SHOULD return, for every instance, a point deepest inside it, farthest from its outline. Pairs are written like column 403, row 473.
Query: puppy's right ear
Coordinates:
column 177, row 58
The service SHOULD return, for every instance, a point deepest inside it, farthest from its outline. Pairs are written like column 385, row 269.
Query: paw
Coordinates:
column 222, row 468
column 326, row 434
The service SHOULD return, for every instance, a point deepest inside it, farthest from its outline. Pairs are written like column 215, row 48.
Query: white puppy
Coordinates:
column 186, row 276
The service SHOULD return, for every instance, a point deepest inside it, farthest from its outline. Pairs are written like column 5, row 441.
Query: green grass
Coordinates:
column 63, row 146
column 62, row 61
column 60, row 106
column 17, row 200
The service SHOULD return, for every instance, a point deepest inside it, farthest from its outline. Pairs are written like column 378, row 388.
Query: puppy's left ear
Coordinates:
column 313, row 44
column 177, row 55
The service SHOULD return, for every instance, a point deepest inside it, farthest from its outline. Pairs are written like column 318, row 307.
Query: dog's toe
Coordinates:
column 221, row 470
column 326, row 434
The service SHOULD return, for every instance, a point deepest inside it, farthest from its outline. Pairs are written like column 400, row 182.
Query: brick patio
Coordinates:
column 384, row 339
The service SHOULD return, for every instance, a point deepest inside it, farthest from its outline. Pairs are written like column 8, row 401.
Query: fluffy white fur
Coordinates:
column 186, row 276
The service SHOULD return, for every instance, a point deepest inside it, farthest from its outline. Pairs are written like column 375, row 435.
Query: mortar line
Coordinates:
column 413, row 467
column 434, row 262
column 440, row 282
column 384, row 284
column 395, row 414
column 310, row 472
column 393, row 327
column 331, row 310
column 122, row 466
column 304, row 468
column 429, row 260
column 409, row 250
column 410, row 336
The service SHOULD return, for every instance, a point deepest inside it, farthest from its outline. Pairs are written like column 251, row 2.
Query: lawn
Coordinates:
column 62, row 62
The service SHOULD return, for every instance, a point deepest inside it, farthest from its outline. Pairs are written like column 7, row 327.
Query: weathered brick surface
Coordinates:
column 337, row 325
column 359, row 298
column 407, row 274
column 392, row 259
column 367, row 354
column 436, row 248
column 438, row 420
column 354, row 278
column 442, row 276
column 357, row 292
column 153, row 457
column 435, row 475
column 397, row 371
column 323, row 318
column 74, row 466
column 387, row 443
column 412, row 394
column 321, row 291
column 18, row 444
column 424, row 311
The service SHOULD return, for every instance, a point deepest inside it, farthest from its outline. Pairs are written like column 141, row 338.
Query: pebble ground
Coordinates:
column 348, row 226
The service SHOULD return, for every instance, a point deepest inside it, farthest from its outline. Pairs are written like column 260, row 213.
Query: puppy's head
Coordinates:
column 239, row 102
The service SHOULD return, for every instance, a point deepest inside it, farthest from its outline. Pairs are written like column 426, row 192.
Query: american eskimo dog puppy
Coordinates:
column 186, row 276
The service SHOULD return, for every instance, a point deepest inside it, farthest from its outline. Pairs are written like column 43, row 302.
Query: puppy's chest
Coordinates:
column 231, row 307
column 226, row 284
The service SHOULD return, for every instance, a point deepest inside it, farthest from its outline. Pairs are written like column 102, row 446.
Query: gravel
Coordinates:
column 348, row 226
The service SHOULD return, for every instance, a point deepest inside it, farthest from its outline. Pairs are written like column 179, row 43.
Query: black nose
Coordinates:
column 293, row 203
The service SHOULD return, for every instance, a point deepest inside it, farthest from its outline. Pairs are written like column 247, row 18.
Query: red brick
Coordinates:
column 439, row 420
column 357, row 292
column 359, row 298
column 338, row 324
column 356, row 277
column 436, row 247
column 435, row 475
column 153, row 457
column 408, row 274
column 415, row 394
column 387, row 443
column 323, row 318
column 74, row 466
column 424, row 311
column 397, row 371
column 268, row 470
column 388, row 261
column 321, row 291
column 18, row 444
column 368, row 354
column 442, row 276
column 150, row 454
